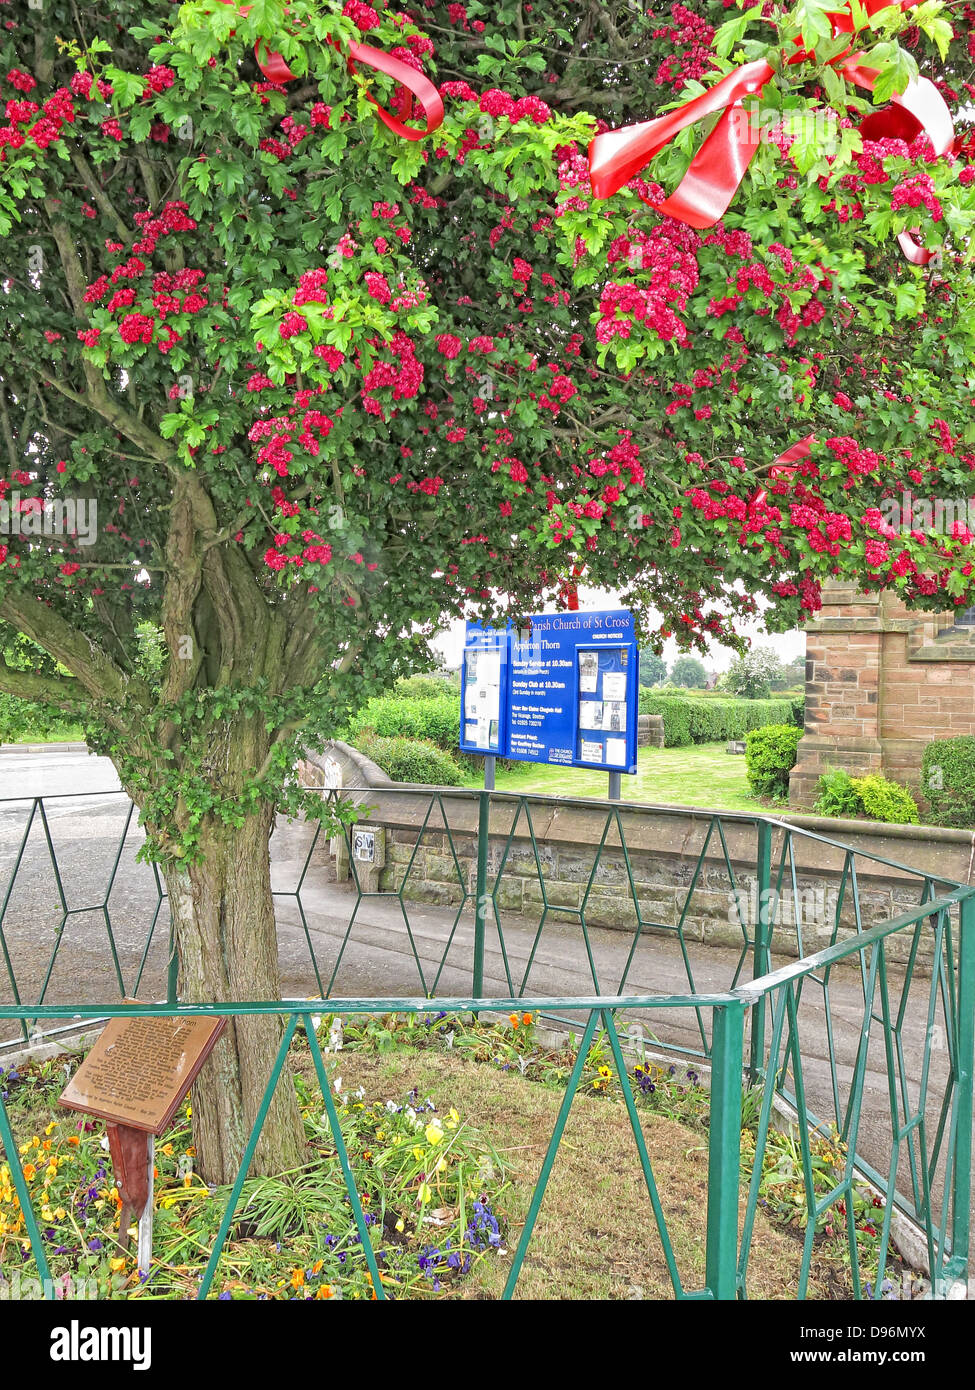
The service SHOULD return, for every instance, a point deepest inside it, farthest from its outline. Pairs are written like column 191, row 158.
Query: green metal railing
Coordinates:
column 723, row 1141
column 900, row 1066
column 51, row 910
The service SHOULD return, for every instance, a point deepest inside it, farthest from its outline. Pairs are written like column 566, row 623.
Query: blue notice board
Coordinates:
column 483, row 692
column 568, row 686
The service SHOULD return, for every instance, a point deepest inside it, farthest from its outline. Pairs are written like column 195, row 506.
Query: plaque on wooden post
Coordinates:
column 134, row 1078
column 141, row 1068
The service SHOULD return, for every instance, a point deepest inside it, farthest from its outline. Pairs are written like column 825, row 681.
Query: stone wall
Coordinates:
column 881, row 683
column 663, row 846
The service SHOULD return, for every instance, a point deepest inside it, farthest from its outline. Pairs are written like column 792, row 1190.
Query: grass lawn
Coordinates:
column 701, row 775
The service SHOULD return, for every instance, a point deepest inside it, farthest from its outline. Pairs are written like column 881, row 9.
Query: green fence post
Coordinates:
column 172, row 972
column 965, row 1053
column 480, row 890
column 761, row 950
column 724, row 1149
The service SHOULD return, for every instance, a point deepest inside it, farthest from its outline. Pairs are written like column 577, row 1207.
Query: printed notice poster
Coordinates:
column 588, row 672
column 614, row 717
column 593, row 752
column 616, row 751
column 591, row 714
column 614, row 685
column 483, row 690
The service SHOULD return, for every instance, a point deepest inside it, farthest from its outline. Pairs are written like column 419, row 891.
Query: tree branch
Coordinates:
column 94, row 669
column 63, row 691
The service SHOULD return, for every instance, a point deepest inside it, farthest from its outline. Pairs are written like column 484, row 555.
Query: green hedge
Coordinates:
column 426, row 687
column 687, row 718
column 948, row 781
column 690, row 719
column 391, row 716
column 412, row 760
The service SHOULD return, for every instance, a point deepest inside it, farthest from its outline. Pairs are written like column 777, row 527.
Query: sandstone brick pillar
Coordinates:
column 844, row 653
column 881, row 683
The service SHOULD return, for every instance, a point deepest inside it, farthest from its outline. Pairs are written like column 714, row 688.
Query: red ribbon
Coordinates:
column 785, row 465
column 715, row 173
column 414, row 84
column 569, row 590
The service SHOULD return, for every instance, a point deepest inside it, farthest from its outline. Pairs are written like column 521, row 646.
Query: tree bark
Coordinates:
column 223, row 914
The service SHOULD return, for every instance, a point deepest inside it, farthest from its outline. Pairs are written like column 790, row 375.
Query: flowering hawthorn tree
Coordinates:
column 330, row 387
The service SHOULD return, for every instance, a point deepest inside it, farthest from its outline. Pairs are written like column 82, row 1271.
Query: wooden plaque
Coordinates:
column 141, row 1068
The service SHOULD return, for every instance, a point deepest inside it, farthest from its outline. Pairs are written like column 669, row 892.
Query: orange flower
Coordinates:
column 29, row 1172
column 74, row 1140
column 526, row 1019
column 324, row 1292
column 297, row 1278
column 514, row 1020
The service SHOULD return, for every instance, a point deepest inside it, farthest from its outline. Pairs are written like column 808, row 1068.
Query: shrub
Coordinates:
column 948, row 773
column 426, row 687
column 22, row 721
column 873, row 796
column 699, row 718
column 838, row 795
column 411, row 760
column 770, row 755
column 393, row 716
column 885, row 800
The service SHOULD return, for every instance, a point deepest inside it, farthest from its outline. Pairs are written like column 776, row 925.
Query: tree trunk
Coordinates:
column 223, row 914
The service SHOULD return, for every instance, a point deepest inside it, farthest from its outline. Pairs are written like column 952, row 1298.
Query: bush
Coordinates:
column 393, row 716
column 885, row 800
column 22, row 721
column 701, row 718
column 411, row 760
column 837, row 795
column 948, row 772
column 426, row 687
column 873, row 796
column 770, row 755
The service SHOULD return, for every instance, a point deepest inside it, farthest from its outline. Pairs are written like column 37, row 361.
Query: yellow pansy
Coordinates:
column 434, row 1132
